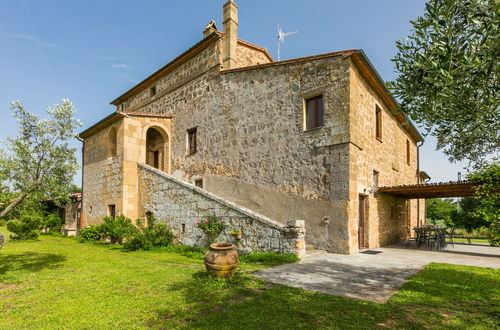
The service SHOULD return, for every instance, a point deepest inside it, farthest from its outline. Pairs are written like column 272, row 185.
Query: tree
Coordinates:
column 467, row 217
column 488, row 190
column 440, row 210
column 39, row 164
column 449, row 76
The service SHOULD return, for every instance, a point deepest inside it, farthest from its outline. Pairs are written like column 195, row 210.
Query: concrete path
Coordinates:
column 374, row 277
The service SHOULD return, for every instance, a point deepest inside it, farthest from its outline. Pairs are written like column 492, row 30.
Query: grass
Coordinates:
column 61, row 283
column 473, row 240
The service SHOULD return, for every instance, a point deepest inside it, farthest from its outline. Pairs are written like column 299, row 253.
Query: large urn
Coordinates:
column 221, row 259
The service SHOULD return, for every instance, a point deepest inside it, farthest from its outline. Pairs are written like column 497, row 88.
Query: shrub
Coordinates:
column 26, row 227
column 269, row 258
column 2, row 223
column 52, row 223
column 153, row 236
column 91, row 233
column 117, row 229
column 211, row 226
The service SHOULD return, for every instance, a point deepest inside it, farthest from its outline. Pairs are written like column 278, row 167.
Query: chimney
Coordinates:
column 209, row 29
column 230, row 26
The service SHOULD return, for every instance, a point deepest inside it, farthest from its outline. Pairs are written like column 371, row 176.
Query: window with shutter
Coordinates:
column 314, row 112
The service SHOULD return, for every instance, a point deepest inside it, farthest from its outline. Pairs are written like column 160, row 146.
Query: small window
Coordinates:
column 375, row 181
column 112, row 211
column 314, row 112
column 408, row 152
column 152, row 91
column 198, row 183
column 378, row 123
column 191, row 134
column 112, row 142
column 183, row 228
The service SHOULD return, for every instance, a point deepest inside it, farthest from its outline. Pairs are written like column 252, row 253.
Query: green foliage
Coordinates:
column 155, row 235
column 91, row 233
column 27, row 227
column 269, row 258
column 52, row 223
column 449, row 76
column 440, row 210
column 466, row 216
column 2, row 222
column 211, row 226
column 39, row 163
column 489, row 206
column 117, row 229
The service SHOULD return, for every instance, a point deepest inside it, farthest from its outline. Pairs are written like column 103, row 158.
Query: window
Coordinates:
column 407, row 152
column 112, row 142
column 191, row 134
column 198, row 183
column 314, row 112
column 378, row 123
column 111, row 211
column 152, row 91
column 375, row 181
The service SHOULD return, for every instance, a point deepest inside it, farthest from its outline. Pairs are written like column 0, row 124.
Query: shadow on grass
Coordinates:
column 440, row 296
column 29, row 261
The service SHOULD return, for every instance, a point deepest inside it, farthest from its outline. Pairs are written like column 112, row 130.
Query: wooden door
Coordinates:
column 361, row 226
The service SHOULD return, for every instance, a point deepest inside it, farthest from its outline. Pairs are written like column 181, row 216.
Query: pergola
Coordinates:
column 432, row 190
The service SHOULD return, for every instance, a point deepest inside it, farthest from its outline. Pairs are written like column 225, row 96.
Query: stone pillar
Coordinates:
column 230, row 27
column 296, row 230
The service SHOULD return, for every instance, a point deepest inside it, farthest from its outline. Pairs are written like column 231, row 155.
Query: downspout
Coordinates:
column 83, row 173
column 418, row 181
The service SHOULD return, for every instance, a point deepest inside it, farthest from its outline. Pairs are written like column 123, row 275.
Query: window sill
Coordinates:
column 315, row 129
column 379, row 140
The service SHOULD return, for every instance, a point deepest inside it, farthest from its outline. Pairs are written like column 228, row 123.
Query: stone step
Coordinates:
column 314, row 252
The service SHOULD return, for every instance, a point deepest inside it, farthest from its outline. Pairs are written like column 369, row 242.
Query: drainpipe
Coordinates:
column 83, row 172
column 418, row 181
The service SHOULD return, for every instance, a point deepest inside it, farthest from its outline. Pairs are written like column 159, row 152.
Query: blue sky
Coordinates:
column 92, row 51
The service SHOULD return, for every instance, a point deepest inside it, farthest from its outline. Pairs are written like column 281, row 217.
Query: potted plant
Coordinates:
column 211, row 226
column 236, row 234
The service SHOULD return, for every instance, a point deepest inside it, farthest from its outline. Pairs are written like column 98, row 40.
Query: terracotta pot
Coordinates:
column 221, row 259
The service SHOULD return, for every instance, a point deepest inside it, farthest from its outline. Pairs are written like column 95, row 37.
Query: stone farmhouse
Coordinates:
column 269, row 147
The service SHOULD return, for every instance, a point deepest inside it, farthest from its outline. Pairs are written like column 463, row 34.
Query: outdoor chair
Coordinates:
column 409, row 238
column 450, row 235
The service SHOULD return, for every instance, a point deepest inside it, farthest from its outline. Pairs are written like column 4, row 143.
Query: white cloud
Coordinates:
column 34, row 39
column 121, row 66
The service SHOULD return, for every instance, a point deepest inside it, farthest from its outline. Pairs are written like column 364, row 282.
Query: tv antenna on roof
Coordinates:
column 281, row 38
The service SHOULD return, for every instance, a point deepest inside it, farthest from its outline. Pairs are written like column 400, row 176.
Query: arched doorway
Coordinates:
column 156, row 149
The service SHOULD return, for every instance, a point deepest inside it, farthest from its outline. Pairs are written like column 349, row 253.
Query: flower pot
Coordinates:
column 221, row 259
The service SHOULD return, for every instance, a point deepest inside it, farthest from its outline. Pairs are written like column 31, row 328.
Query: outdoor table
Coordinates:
column 430, row 236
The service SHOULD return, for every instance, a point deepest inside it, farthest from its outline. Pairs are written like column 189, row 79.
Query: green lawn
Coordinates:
column 62, row 283
column 473, row 240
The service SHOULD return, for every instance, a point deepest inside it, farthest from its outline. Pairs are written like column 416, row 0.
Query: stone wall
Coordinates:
column 102, row 180
column 386, row 216
column 191, row 69
column 180, row 205
column 247, row 56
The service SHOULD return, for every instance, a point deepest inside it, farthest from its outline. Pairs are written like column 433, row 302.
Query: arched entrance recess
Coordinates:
column 157, row 149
